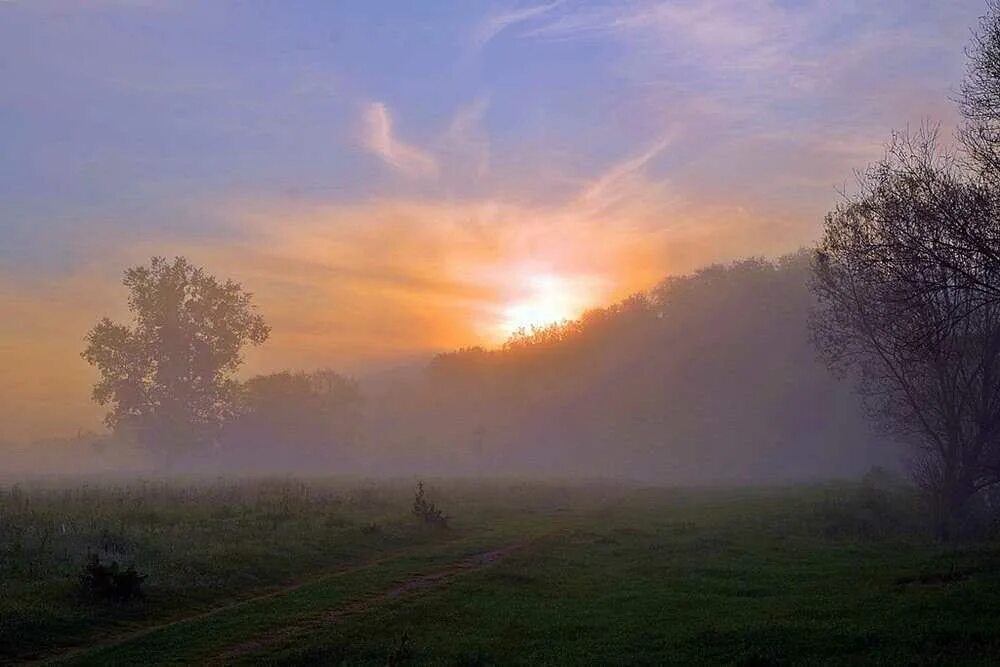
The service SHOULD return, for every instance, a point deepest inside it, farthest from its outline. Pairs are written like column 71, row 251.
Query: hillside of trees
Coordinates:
column 706, row 377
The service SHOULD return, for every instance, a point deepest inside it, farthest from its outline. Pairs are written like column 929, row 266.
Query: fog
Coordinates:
column 708, row 377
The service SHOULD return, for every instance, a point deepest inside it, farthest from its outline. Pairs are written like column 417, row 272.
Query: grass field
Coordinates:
column 339, row 572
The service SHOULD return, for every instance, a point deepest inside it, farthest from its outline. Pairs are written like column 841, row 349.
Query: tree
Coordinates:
column 297, row 419
column 905, row 302
column 908, row 277
column 945, row 202
column 168, row 375
column 979, row 99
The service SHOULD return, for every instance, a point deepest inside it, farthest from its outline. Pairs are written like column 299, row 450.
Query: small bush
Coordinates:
column 878, row 507
column 371, row 528
column 426, row 511
column 109, row 582
column 401, row 653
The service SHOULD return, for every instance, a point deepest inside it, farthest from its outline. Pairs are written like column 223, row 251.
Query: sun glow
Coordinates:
column 545, row 299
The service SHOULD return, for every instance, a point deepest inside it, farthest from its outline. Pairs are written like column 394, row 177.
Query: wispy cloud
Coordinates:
column 497, row 23
column 380, row 139
column 768, row 105
column 617, row 181
column 751, row 49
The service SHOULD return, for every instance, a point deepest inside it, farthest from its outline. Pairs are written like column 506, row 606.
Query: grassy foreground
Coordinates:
column 336, row 572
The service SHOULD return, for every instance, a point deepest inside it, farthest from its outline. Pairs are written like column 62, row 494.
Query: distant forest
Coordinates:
column 706, row 377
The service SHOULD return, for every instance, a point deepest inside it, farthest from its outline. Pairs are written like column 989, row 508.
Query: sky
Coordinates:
column 392, row 179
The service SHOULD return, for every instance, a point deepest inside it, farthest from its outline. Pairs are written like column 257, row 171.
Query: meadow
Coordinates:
column 340, row 571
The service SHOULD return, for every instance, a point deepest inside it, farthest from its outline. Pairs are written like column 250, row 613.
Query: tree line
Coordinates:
column 706, row 377
column 703, row 374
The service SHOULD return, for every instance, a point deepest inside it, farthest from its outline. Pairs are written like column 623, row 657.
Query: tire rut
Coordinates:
column 272, row 593
column 361, row 605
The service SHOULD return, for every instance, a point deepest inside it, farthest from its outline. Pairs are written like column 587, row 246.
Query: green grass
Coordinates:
column 201, row 542
column 829, row 574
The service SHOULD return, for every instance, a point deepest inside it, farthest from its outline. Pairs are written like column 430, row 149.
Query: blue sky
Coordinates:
column 394, row 177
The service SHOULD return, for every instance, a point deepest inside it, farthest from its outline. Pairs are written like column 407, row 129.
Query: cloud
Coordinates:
column 763, row 53
column 620, row 181
column 348, row 285
column 497, row 23
column 379, row 138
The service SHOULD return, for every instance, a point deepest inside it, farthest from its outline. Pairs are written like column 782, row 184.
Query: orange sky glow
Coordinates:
column 395, row 183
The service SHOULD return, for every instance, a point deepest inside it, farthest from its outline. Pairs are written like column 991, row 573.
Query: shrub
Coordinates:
column 878, row 507
column 401, row 653
column 426, row 511
column 110, row 582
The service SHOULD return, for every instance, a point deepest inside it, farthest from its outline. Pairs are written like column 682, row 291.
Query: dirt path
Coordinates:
column 275, row 592
column 421, row 582
column 410, row 585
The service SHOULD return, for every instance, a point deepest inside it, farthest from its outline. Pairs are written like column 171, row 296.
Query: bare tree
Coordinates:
column 979, row 98
column 907, row 302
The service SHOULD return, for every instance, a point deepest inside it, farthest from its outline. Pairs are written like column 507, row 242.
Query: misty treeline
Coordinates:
column 719, row 375
column 707, row 377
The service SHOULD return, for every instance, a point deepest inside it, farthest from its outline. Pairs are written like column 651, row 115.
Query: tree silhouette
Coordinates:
column 902, row 302
column 296, row 420
column 979, row 99
column 168, row 376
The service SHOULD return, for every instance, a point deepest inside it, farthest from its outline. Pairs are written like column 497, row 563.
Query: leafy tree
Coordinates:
column 168, row 375
column 295, row 418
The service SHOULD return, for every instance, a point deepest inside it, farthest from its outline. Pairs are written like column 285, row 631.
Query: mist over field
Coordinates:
column 552, row 332
column 709, row 377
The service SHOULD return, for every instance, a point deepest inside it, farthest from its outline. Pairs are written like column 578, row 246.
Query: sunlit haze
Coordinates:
column 392, row 180
column 546, row 299
column 499, row 332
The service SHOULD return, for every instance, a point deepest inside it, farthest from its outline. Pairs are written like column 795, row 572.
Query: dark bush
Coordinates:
column 426, row 511
column 110, row 582
column 401, row 653
column 878, row 507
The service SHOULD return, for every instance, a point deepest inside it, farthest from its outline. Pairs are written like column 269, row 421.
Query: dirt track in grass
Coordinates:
column 269, row 594
column 361, row 605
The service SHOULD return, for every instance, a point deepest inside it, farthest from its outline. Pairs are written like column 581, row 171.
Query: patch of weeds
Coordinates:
column 477, row 659
column 336, row 521
column 513, row 578
column 110, row 582
column 401, row 653
column 584, row 537
column 427, row 512
column 952, row 576
column 371, row 528
column 878, row 508
column 112, row 542
column 759, row 656
column 747, row 592
column 631, row 532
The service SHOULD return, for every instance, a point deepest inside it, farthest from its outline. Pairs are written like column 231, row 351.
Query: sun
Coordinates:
column 543, row 300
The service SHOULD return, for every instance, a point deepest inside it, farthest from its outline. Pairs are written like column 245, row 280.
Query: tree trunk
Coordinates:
column 954, row 509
